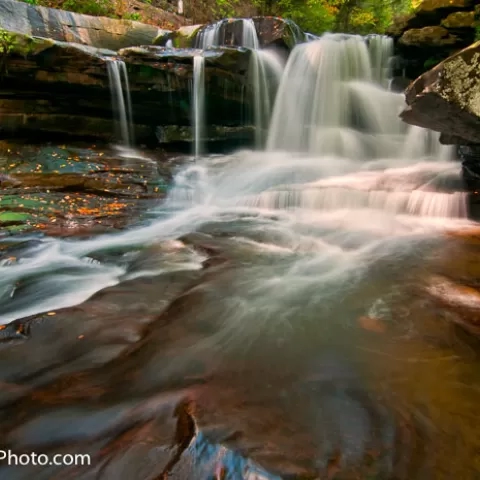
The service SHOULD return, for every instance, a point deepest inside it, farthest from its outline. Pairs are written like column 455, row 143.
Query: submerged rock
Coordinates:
column 62, row 189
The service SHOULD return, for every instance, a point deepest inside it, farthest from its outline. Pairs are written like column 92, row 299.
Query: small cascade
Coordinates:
column 265, row 69
column 198, row 112
column 265, row 72
column 249, row 34
column 211, row 36
column 121, row 101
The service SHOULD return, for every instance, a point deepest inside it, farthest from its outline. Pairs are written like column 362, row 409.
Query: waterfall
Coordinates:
column 249, row 34
column 265, row 68
column 198, row 112
column 333, row 100
column 381, row 54
column 265, row 72
column 121, row 101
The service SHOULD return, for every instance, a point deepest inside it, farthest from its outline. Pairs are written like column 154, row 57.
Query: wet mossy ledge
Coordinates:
column 59, row 87
column 53, row 86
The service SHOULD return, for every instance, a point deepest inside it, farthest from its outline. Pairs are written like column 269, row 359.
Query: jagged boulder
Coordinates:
column 447, row 98
column 62, row 88
column 101, row 32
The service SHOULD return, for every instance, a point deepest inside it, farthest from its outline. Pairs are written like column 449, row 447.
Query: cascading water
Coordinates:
column 198, row 102
column 121, row 101
column 265, row 68
column 333, row 100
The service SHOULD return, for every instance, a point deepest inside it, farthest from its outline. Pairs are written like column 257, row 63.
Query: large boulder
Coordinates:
column 447, row 98
column 54, row 87
column 101, row 32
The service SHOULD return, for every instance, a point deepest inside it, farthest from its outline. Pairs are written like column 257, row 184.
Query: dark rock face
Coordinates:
column 56, row 87
column 436, row 30
column 101, row 32
column 447, row 98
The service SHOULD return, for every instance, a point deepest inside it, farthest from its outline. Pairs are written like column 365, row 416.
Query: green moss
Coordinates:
column 432, row 62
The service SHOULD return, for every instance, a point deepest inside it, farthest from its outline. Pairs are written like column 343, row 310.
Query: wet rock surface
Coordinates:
column 59, row 88
column 67, row 190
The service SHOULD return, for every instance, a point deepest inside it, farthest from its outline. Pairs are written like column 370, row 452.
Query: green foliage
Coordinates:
column 431, row 62
column 90, row 7
column 7, row 42
column 477, row 33
column 316, row 16
column 133, row 16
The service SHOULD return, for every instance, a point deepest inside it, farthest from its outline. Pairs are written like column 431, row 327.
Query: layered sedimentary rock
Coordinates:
column 57, row 87
column 101, row 32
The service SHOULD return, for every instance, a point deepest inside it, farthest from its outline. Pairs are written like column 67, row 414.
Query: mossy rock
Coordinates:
column 25, row 45
column 185, row 37
column 459, row 20
column 446, row 98
column 428, row 37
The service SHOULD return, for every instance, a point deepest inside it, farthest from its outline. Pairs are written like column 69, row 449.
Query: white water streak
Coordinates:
column 121, row 101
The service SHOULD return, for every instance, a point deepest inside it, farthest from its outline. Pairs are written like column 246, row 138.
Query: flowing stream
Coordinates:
column 310, row 300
